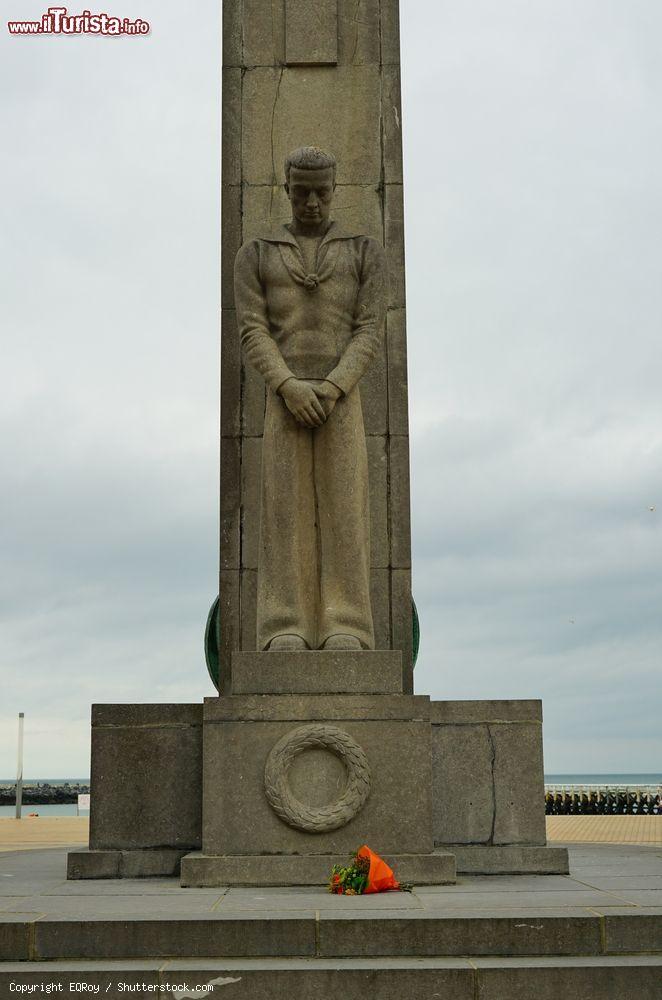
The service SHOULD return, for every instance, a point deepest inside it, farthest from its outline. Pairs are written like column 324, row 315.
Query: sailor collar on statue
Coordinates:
column 281, row 234
column 327, row 254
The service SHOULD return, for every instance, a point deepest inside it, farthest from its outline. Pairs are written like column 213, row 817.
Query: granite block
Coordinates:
column 229, row 628
column 401, row 623
column 146, row 778
column 150, row 864
column 381, row 610
column 123, row 864
column 251, row 461
column 374, row 397
column 199, row 870
column 94, row 864
column 238, row 820
column 379, row 498
column 396, row 346
column 231, row 240
column 135, row 716
column 463, row 799
column 311, row 33
column 342, row 112
column 588, row 979
column 400, row 526
column 15, row 937
column 311, row 708
column 231, row 126
column 230, row 375
column 232, row 29
column 263, row 32
column 248, row 609
column 476, row 860
column 358, row 32
column 316, row 980
column 636, row 932
column 230, row 492
column 392, row 124
column 519, row 784
column 390, row 32
column 454, row 934
column 253, row 396
column 461, row 712
column 317, row 672
column 394, row 241
column 488, row 773
column 179, row 938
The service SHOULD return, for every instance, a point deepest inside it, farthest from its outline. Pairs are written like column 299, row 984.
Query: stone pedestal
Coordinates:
column 294, row 781
column 430, row 782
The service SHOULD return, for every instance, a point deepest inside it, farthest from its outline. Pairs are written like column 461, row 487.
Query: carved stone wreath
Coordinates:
column 316, row 819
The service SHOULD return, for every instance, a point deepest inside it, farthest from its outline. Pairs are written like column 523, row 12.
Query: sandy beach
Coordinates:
column 35, row 833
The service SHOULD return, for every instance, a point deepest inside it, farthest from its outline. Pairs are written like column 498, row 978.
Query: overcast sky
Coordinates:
column 533, row 155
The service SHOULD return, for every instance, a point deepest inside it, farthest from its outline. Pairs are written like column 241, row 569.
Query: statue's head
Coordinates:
column 310, row 180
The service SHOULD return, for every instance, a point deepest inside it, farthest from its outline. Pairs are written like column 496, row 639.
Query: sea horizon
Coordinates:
column 46, row 781
column 551, row 777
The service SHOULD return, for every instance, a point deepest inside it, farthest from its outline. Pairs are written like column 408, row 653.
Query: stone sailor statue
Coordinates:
column 310, row 302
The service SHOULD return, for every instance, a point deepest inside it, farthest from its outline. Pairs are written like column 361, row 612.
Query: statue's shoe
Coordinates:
column 280, row 643
column 341, row 641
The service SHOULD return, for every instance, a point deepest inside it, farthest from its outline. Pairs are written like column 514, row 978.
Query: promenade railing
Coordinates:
column 607, row 800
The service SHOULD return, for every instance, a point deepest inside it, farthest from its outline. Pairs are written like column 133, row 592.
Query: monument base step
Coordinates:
column 589, row 978
column 317, row 672
column 508, row 859
column 200, row 870
column 124, row 864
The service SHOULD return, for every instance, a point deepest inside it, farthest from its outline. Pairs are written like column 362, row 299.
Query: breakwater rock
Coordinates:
column 43, row 794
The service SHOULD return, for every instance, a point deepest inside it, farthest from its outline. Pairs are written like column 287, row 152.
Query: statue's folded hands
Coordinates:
column 301, row 399
column 328, row 394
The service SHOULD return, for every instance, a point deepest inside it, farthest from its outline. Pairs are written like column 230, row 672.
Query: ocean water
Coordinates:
column 66, row 809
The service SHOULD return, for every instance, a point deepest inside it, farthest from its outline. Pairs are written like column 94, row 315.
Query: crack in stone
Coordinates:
column 274, row 180
column 492, row 763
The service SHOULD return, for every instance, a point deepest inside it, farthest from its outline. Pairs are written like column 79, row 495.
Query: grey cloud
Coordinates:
column 533, row 153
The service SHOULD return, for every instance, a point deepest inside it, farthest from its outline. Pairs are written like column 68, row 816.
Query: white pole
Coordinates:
column 19, row 771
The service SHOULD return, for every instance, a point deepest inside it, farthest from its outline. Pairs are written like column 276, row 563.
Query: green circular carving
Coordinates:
column 212, row 636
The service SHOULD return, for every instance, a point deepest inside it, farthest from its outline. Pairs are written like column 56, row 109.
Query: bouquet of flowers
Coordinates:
column 365, row 873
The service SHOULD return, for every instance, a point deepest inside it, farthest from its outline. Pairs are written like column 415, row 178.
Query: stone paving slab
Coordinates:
column 603, row 978
column 42, row 915
column 394, row 934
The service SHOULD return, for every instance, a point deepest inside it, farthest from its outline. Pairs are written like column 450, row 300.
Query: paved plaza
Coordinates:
column 594, row 933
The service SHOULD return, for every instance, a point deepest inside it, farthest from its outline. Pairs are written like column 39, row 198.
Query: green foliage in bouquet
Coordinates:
column 351, row 880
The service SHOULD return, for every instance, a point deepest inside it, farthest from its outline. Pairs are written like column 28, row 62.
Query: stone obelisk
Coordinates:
column 312, row 746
